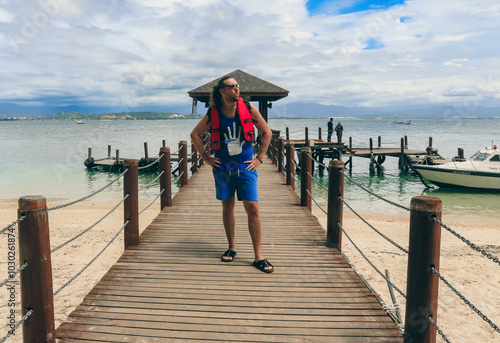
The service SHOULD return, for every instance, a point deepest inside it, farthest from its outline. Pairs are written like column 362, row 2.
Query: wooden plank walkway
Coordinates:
column 173, row 286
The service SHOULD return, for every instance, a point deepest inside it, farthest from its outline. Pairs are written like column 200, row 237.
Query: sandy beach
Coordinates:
column 477, row 277
column 474, row 275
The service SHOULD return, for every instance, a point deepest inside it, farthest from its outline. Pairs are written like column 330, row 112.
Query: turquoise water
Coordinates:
column 46, row 157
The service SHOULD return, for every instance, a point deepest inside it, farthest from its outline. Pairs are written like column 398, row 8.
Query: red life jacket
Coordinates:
column 245, row 120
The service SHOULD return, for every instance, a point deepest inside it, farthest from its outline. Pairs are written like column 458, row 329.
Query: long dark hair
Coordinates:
column 215, row 96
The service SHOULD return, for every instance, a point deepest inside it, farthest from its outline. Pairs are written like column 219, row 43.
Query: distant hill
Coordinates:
column 313, row 110
column 117, row 116
column 279, row 109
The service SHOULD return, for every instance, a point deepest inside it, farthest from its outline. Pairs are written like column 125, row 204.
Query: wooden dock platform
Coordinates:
column 173, row 286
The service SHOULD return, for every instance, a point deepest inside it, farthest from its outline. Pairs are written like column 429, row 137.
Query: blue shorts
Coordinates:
column 243, row 181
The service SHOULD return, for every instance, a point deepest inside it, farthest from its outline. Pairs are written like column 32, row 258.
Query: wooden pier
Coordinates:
column 172, row 286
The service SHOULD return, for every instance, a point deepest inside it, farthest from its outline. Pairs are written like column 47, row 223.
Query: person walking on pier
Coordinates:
column 338, row 131
column 330, row 130
column 234, row 167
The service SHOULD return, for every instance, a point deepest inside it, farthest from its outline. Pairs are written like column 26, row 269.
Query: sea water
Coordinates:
column 46, row 158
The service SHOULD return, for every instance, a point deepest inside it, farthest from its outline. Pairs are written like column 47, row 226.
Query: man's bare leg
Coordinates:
column 229, row 224
column 254, row 226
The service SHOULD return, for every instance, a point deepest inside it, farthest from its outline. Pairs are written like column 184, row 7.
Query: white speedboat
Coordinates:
column 481, row 171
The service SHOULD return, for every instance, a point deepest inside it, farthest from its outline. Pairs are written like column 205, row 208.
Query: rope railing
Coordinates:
column 314, row 200
column 87, row 196
column 376, row 195
column 91, row 227
column 178, row 177
column 464, row 299
column 318, row 162
column 152, row 202
column 468, row 242
column 153, row 181
column 14, row 223
column 13, row 330
column 371, row 263
column 13, row 275
column 92, row 261
column 151, row 164
column 438, row 329
column 314, row 178
column 373, row 228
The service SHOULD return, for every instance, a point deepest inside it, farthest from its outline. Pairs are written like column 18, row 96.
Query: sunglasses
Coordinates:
column 232, row 86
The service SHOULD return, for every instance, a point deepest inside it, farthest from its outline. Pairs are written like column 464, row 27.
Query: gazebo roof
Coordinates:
column 251, row 87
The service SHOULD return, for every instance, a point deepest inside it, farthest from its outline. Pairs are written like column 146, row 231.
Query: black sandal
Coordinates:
column 262, row 264
column 228, row 253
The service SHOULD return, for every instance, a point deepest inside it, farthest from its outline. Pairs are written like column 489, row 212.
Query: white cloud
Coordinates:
column 145, row 51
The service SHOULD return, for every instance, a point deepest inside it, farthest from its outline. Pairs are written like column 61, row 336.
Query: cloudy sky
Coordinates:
column 132, row 53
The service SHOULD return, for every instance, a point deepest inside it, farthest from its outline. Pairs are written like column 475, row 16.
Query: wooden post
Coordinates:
column 274, row 146
column 165, row 179
column 422, row 284
column 306, row 134
column 290, row 165
column 350, row 154
column 406, row 142
column 319, row 133
column 281, row 149
column 335, row 205
column 287, row 133
column 109, row 151
column 402, row 145
column 36, row 279
column 89, row 154
column 430, row 142
column 379, row 142
column 372, row 164
column 131, row 204
column 194, row 159
column 183, row 163
column 305, row 177
column 146, row 153
column 163, row 143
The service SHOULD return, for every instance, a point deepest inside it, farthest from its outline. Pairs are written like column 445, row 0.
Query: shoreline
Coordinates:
column 472, row 274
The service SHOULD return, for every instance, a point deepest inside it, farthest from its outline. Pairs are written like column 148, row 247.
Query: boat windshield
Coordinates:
column 481, row 156
column 495, row 158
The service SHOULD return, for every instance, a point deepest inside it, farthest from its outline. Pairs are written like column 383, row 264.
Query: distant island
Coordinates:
column 109, row 116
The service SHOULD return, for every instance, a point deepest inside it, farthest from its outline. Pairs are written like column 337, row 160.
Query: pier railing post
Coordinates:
column 165, row 179
column 131, row 204
column 422, row 285
column 281, row 149
column 335, row 204
column 290, row 165
column 194, row 159
column 36, row 279
column 305, row 177
column 183, row 163
column 275, row 146
column 372, row 160
column 306, row 135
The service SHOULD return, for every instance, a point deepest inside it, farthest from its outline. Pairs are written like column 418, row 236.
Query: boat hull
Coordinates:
column 457, row 178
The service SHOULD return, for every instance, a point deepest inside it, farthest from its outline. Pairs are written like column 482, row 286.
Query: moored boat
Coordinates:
column 481, row 171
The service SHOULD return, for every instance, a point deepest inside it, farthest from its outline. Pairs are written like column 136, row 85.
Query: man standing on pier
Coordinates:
column 234, row 167
column 338, row 131
column 330, row 130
